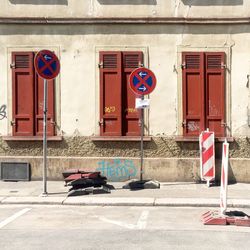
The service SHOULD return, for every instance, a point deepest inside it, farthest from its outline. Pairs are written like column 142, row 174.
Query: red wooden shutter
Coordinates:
column 215, row 92
column 131, row 61
column 39, row 98
column 110, row 94
column 193, row 93
column 23, row 93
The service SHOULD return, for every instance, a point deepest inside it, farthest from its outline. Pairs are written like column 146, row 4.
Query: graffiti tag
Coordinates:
column 3, row 112
column 117, row 169
column 110, row 109
column 131, row 110
column 193, row 126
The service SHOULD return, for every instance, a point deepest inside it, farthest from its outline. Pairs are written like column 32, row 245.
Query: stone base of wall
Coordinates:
column 158, row 147
column 121, row 169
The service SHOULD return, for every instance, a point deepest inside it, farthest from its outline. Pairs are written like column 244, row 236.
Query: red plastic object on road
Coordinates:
column 213, row 218
column 236, row 218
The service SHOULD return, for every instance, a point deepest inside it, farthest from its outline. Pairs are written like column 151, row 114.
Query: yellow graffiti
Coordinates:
column 131, row 110
column 110, row 109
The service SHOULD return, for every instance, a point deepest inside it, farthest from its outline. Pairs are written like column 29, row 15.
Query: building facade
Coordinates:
column 198, row 50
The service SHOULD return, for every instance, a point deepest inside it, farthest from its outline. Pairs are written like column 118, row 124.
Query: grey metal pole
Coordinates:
column 45, row 138
column 142, row 132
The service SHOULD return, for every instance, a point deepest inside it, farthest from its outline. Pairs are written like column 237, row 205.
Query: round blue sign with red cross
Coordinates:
column 142, row 81
column 47, row 64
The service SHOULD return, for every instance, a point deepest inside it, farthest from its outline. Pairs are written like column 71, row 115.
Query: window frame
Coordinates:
column 96, row 136
column 180, row 50
column 57, row 109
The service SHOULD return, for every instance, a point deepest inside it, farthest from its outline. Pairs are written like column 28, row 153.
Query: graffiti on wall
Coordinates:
column 117, row 169
column 3, row 112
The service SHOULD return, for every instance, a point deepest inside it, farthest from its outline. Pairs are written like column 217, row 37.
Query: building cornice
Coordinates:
column 123, row 20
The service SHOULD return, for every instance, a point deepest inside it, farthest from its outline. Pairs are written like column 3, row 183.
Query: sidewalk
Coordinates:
column 170, row 194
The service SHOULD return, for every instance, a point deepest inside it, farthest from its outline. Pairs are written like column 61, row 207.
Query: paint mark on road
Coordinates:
column 13, row 217
column 141, row 223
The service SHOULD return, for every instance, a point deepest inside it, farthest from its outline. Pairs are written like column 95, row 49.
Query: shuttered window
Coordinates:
column 27, row 98
column 118, row 116
column 203, row 89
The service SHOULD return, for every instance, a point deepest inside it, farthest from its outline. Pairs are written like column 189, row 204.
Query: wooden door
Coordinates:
column 39, row 102
column 193, row 93
column 110, row 94
column 23, row 93
column 215, row 93
column 131, row 61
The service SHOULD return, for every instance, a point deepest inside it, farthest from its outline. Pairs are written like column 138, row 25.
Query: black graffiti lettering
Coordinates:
column 3, row 112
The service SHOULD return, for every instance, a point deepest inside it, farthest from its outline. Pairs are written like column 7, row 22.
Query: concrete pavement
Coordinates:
column 170, row 194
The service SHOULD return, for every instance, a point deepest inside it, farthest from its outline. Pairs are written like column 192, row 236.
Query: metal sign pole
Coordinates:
column 147, row 81
column 45, row 138
column 47, row 66
column 142, row 132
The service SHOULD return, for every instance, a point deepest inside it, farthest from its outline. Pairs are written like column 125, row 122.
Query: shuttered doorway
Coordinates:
column 118, row 115
column 27, row 98
column 203, row 90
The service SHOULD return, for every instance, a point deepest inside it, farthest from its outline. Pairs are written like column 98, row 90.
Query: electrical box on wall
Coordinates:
column 15, row 171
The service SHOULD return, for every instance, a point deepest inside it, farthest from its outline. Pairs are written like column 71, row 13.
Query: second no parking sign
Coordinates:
column 142, row 81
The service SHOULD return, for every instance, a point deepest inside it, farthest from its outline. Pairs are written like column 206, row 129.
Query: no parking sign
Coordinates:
column 142, row 81
column 47, row 64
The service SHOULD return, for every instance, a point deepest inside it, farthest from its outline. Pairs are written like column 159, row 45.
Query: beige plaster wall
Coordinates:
column 125, row 8
column 77, row 87
column 77, row 108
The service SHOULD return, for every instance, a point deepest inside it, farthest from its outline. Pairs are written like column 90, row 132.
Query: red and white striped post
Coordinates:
column 236, row 218
column 207, row 156
column 224, row 178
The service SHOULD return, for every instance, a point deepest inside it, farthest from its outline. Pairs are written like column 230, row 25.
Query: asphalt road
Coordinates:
column 86, row 227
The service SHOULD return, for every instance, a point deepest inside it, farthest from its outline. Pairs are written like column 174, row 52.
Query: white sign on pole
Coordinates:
column 142, row 103
column 224, row 178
